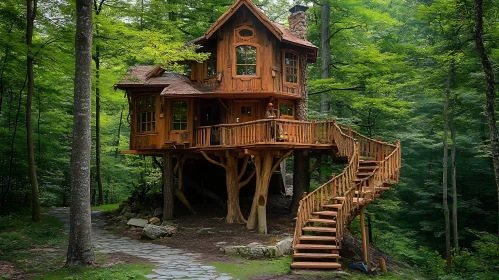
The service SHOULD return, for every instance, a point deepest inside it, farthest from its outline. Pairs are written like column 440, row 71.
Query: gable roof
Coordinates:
column 281, row 32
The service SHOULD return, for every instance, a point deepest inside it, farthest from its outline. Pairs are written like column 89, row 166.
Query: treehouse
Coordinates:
column 246, row 105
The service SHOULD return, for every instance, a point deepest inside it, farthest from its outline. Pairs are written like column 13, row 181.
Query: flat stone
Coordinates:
column 137, row 222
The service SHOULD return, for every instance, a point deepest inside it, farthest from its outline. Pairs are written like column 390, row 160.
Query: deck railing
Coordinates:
column 265, row 131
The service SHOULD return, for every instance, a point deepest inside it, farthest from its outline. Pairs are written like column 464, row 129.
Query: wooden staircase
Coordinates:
column 324, row 213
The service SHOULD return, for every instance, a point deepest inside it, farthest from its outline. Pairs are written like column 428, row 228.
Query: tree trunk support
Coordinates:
column 265, row 166
column 168, row 185
column 365, row 241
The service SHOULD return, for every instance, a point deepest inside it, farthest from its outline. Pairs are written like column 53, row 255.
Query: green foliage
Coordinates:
column 106, row 207
column 249, row 268
column 118, row 272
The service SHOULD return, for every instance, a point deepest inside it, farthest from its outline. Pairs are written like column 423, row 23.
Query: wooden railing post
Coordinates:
column 313, row 132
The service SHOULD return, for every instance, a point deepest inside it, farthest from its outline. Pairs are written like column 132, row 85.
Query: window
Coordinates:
column 286, row 110
column 212, row 65
column 291, row 67
column 179, row 115
column 246, row 110
column 246, row 60
column 245, row 32
column 146, row 114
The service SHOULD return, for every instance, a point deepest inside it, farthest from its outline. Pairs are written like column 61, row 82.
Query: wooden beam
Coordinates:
column 223, row 104
column 364, row 238
column 251, row 152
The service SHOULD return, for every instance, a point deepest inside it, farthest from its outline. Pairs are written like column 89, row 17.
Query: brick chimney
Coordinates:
column 298, row 21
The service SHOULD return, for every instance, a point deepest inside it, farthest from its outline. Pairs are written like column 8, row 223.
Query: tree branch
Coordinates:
column 279, row 161
column 316, row 164
column 245, row 182
column 245, row 164
column 213, row 161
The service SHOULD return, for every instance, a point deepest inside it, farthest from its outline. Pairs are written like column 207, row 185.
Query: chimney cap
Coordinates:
column 298, row 8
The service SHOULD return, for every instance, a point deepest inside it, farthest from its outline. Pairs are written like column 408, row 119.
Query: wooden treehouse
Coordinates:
column 246, row 106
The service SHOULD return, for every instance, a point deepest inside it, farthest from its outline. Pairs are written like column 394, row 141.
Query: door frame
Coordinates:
column 254, row 102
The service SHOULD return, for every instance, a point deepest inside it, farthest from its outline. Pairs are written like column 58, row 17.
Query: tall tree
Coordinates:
column 80, row 234
column 31, row 7
column 325, row 51
column 452, row 127
column 98, row 173
column 489, row 93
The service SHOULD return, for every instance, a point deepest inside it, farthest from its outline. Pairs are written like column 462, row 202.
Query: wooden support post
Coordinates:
column 364, row 238
column 382, row 266
column 168, row 187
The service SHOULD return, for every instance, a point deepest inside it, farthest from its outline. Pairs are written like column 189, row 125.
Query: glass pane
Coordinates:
column 250, row 55
column 282, row 109
column 143, row 127
column 153, row 116
column 138, row 127
column 149, row 115
column 248, row 111
column 183, row 117
column 243, row 110
column 148, row 127
column 240, row 55
column 251, row 70
column 144, row 117
column 290, row 110
column 245, row 33
column 153, row 125
column 140, row 104
column 176, row 117
column 241, row 70
column 183, row 126
column 176, row 126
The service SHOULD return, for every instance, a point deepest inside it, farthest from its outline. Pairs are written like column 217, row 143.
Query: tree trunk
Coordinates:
column 98, row 174
column 80, row 234
column 453, row 167
column 263, row 166
column 325, row 51
column 234, row 214
column 119, row 133
column 445, row 163
column 489, row 92
column 301, row 182
column 31, row 6
column 168, row 187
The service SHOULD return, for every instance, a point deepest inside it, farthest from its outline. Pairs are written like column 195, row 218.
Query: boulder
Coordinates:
column 137, row 222
column 155, row 232
column 158, row 212
column 284, row 247
column 258, row 251
column 155, row 221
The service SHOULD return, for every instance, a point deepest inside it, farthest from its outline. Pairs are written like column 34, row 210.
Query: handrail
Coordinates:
column 354, row 145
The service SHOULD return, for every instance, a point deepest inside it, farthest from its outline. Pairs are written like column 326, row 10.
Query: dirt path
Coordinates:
column 170, row 263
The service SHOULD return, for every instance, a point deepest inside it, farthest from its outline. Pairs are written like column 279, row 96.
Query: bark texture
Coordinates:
column 234, row 214
column 80, row 234
column 325, row 51
column 31, row 6
column 454, row 173
column 445, row 164
column 489, row 93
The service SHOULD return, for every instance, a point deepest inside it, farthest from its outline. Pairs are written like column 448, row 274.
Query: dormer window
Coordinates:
column 246, row 60
column 291, row 67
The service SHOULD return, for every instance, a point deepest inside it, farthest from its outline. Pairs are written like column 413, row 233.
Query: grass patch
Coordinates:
column 254, row 267
column 115, row 272
column 106, row 207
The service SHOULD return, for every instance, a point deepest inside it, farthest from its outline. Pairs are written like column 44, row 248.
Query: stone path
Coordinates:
column 170, row 263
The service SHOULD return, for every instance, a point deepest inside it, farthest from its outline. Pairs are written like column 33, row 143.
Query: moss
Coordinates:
column 116, row 272
column 254, row 267
column 106, row 207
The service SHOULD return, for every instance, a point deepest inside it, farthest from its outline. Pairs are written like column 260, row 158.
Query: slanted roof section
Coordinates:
column 281, row 32
column 181, row 86
column 143, row 76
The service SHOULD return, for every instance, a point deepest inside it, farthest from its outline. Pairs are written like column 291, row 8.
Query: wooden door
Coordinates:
column 245, row 112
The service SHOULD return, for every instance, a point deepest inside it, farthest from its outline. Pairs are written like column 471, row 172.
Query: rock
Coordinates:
column 205, row 231
column 155, row 221
column 128, row 215
column 155, row 232
column 158, row 212
column 125, row 210
column 137, row 222
column 285, row 246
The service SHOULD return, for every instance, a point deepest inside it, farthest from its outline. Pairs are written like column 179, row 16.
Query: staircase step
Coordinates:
column 383, row 188
column 317, row 238
column 322, row 221
column 316, row 255
column 315, row 265
column 367, row 167
column 368, row 162
column 333, row 206
column 316, row 246
column 364, row 173
column 325, row 213
column 341, row 198
column 320, row 229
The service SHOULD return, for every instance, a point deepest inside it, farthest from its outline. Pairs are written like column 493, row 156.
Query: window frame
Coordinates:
column 244, row 38
column 234, row 61
column 153, row 111
column 287, row 103
column 172, row 112
column 284, row 52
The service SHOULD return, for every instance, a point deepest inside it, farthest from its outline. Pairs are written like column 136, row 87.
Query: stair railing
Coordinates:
column 337, row 186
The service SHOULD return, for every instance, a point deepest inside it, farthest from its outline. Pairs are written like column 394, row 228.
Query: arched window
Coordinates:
column 145, row 114
column 291, row 67
column 246, row 60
